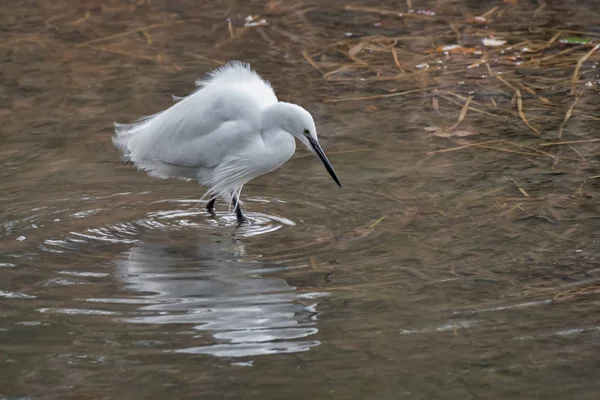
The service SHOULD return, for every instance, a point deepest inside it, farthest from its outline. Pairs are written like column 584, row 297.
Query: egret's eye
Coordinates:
column 306, row 131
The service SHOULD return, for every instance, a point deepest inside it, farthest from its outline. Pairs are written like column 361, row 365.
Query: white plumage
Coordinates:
column 229, row 131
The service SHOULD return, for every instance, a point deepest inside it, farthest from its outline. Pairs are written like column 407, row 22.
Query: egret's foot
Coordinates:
column 210, row 207
column 241, row 218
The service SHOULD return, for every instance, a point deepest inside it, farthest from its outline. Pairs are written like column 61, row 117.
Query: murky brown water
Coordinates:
column 462, row 274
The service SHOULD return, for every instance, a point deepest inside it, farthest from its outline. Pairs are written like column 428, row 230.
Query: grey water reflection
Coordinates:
column 240, row 305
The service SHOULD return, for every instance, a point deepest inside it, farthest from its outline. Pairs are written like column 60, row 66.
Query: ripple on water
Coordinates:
column 75, row 311
column 8, row 265
column 14, row 295
column 251, row 349
column 186, row 214
column 239, row 307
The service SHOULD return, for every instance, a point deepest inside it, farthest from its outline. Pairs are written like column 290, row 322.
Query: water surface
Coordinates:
column 460, row 274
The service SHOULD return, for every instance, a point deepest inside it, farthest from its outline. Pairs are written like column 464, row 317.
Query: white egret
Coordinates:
column 229, row 131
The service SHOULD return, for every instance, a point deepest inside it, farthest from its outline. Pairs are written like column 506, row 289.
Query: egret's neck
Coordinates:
column 281, row 117
column 276, row 132
column 273, row 118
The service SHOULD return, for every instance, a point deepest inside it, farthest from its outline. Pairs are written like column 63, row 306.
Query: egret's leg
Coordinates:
column 210, row 207
column 238, row 209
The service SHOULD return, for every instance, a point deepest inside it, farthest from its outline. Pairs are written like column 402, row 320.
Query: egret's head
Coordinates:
column 299, row 123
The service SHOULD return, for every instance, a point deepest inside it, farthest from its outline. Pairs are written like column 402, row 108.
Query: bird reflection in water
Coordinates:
column 247, row 312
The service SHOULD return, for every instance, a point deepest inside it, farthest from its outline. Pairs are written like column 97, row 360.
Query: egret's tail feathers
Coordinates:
column 125, row 132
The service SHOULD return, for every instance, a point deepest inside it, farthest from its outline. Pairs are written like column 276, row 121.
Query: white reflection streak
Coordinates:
column 246, row 313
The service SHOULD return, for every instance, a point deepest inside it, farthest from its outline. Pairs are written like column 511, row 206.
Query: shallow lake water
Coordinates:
column 441, row 269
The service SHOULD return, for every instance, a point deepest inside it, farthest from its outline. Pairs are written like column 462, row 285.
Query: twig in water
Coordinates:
column 140, row 29
column 489, row 12
column 463, row 113
column 521, row 113
column 568, row 114
column 396, row 61
column 374, row 224
column 578, row 67
column 230, row 28
column 80, row 20
column 198, row 56
column 512, row 151
column 519, row 103
column 377, row 96
column 569, row 142
column 309, row 60
column 238, row 34
column 465, row 146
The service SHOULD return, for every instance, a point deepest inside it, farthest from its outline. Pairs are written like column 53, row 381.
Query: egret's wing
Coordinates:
column 196, row 132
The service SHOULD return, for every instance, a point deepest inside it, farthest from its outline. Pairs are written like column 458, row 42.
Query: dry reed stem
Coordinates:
column 373, row 10
column 552, row 40
column 374, row 224
column 461, row 97
column 574, row 150
column 341, row 69
column 388, row 197
column 569, row 142
column 378, row 96
column 148, row 38
column 477, row 110
column 578, row 67
column 155, row 59
column 519, row 103
column 436, row 105
column 198, row 56
column 518, row 199
column 309, row 60
column 82, row 19
column 230, row 29
column 396, row 61
column 56, row 17
column 521, row 113
column 523, row 191
column 527, row 89
column 568, row 114
column 581, row 32
column 463, row 113
column 143, row 28
column 238, row 34
column 465, row 146
column 588, row 116
column 489, row 12
column 560, row 53
column 568, row 294
column 512, row 151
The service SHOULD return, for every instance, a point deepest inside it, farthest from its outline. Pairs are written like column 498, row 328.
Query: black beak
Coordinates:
column 317, row 147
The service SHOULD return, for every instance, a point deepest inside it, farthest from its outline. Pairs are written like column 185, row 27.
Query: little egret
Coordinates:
column 229, row 131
